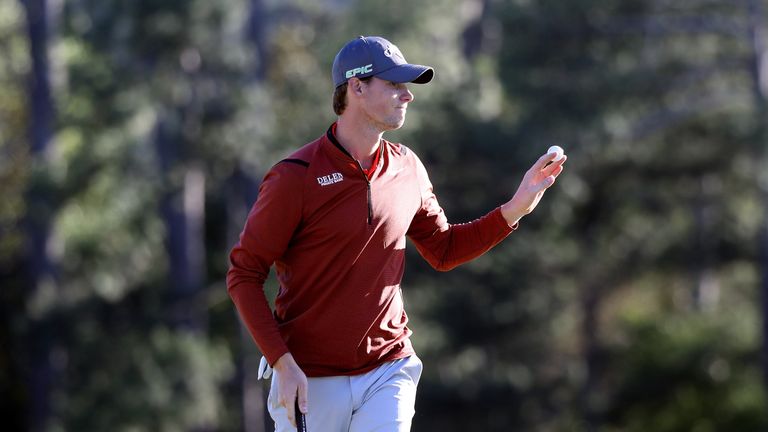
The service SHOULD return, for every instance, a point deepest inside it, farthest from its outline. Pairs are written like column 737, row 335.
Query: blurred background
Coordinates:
column 134, row 135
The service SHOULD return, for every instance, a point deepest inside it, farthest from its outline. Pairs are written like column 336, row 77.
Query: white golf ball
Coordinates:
column 558, row 150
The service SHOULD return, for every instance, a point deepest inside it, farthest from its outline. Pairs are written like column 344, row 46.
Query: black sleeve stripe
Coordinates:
column 303, row 163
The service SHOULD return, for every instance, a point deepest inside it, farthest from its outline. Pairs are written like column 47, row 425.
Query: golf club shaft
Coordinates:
column 301, row 421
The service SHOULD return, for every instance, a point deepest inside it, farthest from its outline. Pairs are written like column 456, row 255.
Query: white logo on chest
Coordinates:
column 330, row 179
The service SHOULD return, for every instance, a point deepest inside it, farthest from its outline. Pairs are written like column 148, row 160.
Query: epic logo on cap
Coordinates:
column 359, row 70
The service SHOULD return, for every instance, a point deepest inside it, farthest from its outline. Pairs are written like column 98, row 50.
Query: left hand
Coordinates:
column 292, row 384
column 535, row 182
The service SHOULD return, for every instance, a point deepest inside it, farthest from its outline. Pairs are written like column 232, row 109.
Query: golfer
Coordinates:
column 332, row 218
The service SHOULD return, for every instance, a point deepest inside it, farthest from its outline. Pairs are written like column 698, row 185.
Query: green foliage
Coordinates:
column 14, row 160
column 155, row 379
column 687, row 373
column 13, row 113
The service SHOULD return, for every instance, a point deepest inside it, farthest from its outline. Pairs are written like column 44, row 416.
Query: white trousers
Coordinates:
column 381, row 400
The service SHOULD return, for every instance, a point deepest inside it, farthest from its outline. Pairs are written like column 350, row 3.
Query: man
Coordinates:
column 333, row 218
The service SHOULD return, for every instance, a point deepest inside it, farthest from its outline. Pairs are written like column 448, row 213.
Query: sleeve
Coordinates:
column 265, row 237
column 446, row 245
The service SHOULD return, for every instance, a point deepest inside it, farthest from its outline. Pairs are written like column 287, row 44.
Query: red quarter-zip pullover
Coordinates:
column 337, row 240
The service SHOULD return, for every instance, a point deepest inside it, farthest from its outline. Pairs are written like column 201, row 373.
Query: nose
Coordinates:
column 406, row 96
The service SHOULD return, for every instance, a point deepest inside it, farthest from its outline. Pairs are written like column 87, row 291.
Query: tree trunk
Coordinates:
column 590, row 305
column 41, row 122
column 478, row 36
column 39, row 268
column 706, row 289
column 256, row 34
column 241, row 194
column 183, row 211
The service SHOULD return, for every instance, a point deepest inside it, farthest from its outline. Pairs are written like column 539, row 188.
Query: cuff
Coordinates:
column 503, row 222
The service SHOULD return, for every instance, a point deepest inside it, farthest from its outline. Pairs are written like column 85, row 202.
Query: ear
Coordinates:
column 355, row 86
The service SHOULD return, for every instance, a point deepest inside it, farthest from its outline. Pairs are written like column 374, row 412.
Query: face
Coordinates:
column 384, row 103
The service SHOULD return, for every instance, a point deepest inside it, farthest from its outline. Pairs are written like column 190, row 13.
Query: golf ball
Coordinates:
column 558, row 150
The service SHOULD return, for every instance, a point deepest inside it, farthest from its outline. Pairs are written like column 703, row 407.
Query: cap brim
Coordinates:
column 408, row 73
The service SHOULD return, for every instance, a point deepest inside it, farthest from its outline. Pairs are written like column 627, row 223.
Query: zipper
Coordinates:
column 370, row 201
column 368, row 189
column 369, row 197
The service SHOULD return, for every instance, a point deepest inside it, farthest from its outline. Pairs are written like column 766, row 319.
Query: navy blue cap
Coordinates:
column 375, row 56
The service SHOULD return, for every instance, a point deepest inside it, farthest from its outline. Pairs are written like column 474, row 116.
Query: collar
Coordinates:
column 331, row 135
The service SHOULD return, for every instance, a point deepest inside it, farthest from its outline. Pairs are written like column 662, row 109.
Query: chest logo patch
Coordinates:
column 330, row 179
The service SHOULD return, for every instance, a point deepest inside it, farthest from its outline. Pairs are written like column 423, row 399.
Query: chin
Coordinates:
column 388, row 126
column 398, row 123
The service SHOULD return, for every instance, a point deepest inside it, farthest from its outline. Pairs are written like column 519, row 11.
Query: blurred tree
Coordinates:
column 758, row 35
column 14, row 157
column 686, row 375
column 682, row 122
column 241, row 191
column 659, row 126
column 636, row 278
column 144, row 347
column 41, row 278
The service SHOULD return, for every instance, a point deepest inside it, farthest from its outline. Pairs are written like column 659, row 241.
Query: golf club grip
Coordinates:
column 301, row 421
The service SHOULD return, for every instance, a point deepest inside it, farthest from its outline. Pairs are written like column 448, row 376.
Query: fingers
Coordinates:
column 547, row 182
column 303, row 400
column 543, row 161
column 292, row 387
column 554, row 165
column 288, row 403
column 293, row 399
column 546, row 165
column 288, row 400
column 555, row 171
column 537, row 174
